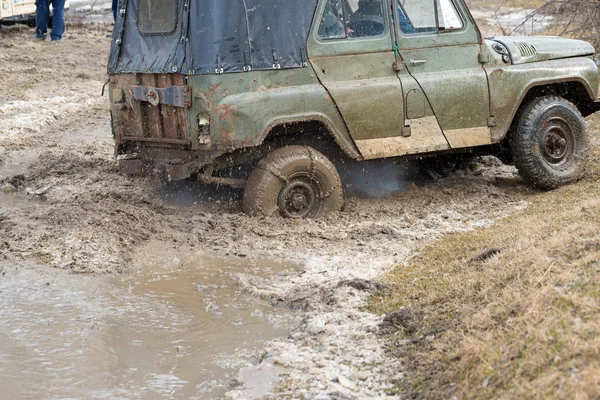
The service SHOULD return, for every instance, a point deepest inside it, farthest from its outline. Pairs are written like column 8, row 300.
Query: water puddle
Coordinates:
column 12, row 166
column 179, row 328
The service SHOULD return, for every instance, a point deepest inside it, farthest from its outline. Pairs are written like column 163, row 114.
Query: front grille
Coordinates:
column 526, row 49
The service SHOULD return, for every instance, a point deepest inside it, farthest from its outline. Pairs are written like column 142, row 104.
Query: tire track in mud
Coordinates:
column 335, row 352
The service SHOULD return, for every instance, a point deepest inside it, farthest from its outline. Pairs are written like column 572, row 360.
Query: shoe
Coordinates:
column 55, row 40
column 39, row 37
column 109, row 35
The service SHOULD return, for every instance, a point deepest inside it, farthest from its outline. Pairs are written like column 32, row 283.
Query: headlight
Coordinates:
column 503, row 51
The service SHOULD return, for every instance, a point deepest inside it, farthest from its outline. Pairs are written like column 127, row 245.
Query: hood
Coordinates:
column 525, row 49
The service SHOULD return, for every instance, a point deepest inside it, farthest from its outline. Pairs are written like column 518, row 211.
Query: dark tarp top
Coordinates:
column 210, row 36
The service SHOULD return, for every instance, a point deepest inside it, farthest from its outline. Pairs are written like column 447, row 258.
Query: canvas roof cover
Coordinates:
column 210, row 36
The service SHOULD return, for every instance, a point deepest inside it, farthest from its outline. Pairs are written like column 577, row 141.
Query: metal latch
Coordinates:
column 406, row 129
column 176, row 96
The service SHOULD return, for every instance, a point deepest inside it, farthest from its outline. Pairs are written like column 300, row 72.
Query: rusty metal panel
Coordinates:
column 176, row 96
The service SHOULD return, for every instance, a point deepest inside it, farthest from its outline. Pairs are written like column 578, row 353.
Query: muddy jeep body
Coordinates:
column 219, row 83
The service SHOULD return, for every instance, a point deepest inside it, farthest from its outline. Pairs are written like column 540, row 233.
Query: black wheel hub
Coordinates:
column 297, row 199
column 557, row 142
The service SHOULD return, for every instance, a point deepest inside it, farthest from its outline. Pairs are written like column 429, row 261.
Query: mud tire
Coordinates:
column 550, row 145
column 294, row 182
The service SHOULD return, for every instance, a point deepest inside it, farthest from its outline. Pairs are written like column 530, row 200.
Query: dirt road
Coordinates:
column 63, row 204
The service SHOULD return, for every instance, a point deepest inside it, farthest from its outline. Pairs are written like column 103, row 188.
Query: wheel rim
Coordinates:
column 557, row 142
column 299, row 198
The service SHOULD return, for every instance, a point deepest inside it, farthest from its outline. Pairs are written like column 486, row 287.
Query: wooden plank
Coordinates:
column 152, row 116
column 129, row 120
column 181, row 113
column 168, row 113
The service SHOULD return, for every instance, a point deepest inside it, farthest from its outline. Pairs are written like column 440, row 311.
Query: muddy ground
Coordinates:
column 63, row 204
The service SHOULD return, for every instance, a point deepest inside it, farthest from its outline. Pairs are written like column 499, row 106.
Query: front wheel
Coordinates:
column 550, row 145
column 295, row 182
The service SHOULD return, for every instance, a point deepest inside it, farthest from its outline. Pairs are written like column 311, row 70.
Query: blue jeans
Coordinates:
column 42, row 15
column 115, row 4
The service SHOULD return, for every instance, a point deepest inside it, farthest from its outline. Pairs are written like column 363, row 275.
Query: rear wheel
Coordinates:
column 550, row 145
column 294, row 182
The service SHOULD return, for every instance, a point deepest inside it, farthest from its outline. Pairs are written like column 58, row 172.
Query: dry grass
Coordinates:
column 523, row 323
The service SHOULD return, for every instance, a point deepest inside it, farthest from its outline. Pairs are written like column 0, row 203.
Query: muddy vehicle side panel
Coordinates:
column 243, row 108
column 509, row 84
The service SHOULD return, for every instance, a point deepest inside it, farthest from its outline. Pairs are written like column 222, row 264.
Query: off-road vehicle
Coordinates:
column 205, row 88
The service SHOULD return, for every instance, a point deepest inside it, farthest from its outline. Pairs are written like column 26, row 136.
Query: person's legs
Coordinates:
column 58, row 19
column 114, row 8
column 42, row 14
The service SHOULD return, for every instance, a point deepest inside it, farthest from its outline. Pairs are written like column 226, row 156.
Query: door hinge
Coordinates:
column 399, row 66
column 484, row 56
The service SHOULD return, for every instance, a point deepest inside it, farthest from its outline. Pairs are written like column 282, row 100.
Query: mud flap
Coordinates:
column 177, row 172
column 131, row 167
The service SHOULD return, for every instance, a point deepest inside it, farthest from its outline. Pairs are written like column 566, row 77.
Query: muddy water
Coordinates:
column 178, row 327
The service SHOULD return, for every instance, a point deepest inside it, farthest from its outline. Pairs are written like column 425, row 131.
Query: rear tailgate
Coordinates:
column 151, row 108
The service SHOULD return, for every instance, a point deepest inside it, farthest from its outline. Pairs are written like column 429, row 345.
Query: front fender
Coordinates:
column 509, row 84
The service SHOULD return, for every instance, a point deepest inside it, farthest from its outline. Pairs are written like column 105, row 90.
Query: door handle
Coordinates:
column 417, row 62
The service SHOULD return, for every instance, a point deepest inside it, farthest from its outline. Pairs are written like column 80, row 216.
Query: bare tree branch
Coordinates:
column 578, row 19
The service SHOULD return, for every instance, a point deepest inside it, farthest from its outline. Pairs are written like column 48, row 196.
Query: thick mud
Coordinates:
column 64, row 205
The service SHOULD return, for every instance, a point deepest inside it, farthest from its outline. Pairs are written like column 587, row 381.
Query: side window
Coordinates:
column 448, row 18
column 418, row 17
column 332, row 24
column 352, row 19
column 157, row 17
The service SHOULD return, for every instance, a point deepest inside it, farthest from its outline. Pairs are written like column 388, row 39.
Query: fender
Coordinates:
column 271, row 99
column 510, row 84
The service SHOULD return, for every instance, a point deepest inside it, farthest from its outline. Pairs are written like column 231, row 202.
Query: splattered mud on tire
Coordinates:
column 289, row 174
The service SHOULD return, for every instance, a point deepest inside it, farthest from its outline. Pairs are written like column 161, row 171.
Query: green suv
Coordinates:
column 263, row 94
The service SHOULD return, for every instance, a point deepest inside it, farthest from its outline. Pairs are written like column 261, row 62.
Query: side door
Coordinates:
column 351, row 50
column 440, row 48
